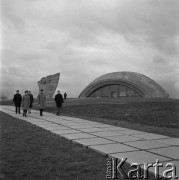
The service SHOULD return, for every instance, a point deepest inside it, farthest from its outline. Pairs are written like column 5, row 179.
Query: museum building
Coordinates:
column 123, row 84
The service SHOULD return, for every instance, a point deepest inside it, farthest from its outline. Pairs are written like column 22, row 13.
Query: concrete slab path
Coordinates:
column 118, row 142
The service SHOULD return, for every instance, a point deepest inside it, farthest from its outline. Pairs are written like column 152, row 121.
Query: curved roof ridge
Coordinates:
column 152, row 88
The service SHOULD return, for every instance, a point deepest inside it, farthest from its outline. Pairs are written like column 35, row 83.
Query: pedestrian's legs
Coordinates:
column 25, row 113
column 16, row 109
column 19, row 109
column 58, row 111
column 29, row 110
column 41, row 111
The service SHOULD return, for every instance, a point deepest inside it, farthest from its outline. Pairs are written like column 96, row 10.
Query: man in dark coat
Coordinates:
column 31, row 101
column 59, row 101
column 17, row 101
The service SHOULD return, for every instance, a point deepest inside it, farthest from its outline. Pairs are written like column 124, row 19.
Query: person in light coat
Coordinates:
column 25, row 103
column 41, row 100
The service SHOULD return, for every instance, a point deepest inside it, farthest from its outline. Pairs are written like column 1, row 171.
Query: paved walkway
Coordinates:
column 137, row 146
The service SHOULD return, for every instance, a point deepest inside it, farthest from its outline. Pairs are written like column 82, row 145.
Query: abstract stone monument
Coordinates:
column 49, row 84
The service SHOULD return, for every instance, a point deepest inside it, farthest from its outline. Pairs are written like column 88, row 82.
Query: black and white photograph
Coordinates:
column 89, row 89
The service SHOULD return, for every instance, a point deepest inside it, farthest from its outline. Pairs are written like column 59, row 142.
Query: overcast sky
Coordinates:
column 84, row 39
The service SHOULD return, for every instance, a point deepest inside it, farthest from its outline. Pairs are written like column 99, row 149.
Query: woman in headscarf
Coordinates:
column 25, row 103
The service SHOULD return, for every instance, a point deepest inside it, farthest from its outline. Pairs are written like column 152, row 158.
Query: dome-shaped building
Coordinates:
column 124, row 84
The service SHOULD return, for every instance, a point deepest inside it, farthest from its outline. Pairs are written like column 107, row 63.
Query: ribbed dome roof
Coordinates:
column 149, row 87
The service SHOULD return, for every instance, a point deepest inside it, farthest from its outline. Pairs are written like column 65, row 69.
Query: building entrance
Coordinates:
column 113, row 94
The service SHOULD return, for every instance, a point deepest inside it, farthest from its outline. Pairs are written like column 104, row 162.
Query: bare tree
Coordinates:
column 3, row 97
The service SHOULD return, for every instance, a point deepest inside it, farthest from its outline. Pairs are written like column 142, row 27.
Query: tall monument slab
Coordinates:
column 49, row 84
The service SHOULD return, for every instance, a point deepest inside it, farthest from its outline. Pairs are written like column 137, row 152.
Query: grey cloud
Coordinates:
column 85, row 39
column 159, row 60
column 155, row 23
column 169, row 82
column 10, row 15
column 32, row 56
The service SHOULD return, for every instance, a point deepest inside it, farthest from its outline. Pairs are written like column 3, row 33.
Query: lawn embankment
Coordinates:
column 28, row 152
column 161, row 117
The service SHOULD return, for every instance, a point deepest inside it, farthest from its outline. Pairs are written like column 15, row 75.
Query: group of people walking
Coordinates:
column 26, row 102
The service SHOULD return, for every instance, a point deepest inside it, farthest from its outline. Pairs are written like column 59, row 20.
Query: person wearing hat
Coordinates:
column 17, row 99
column 25, row 103
column 59, row 101
column 41, row 100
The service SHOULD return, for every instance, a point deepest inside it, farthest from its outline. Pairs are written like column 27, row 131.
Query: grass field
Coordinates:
column 161, row 117
column 28, row 152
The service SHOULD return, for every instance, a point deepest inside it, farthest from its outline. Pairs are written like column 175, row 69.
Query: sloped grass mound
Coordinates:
column 29, row 152
column 159, row 116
